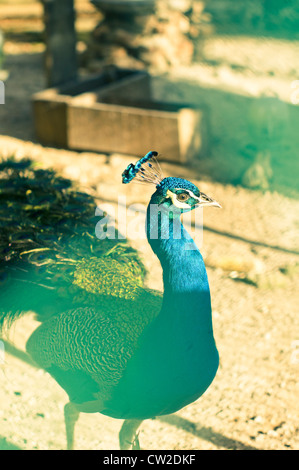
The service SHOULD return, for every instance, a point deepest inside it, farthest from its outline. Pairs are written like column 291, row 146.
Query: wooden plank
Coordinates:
column 108, row 120
column 113, row 128
column 50, row 119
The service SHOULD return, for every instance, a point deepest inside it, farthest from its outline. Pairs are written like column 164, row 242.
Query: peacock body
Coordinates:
column 129, row 352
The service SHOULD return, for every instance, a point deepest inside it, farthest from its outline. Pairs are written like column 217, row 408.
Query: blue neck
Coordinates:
column 186, row 288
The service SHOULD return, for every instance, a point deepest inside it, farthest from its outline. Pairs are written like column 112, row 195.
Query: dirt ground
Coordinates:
column 251, row 251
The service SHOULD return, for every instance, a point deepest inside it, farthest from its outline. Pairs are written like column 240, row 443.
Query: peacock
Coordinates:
column 127, row 351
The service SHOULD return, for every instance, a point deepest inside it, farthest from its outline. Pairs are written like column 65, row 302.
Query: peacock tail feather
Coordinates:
column 47, row 237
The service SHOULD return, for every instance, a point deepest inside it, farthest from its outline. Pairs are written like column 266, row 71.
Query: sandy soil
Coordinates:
column 251, row 252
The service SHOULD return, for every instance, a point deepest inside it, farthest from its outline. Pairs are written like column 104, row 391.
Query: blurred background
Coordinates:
column 234, row 66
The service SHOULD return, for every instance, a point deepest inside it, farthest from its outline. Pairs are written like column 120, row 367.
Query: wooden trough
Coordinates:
column 115, row 113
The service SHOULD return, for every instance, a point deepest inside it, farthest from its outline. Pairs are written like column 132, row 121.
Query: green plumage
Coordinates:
column 48, row 245
column 100, row 342
column 99, row 275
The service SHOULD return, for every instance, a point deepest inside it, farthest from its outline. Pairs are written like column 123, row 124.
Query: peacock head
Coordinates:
column 181, row 194
column 176, row 193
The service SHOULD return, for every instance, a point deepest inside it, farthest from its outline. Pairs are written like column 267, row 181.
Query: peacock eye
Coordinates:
column 182, row 197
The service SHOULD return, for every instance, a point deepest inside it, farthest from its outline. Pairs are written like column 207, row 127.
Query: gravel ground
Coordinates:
column 251, row 252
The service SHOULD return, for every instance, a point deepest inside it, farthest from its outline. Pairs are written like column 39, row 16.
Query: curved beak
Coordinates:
column 204, row 200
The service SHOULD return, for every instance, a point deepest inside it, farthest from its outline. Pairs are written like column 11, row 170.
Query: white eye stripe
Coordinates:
column 176, row 202
column 191, row 194
column 202, row 200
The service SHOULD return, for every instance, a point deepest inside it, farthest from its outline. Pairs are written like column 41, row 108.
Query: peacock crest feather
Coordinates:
column 145, row 170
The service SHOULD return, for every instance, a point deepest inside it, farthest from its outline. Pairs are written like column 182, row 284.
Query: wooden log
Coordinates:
column 60, row 38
